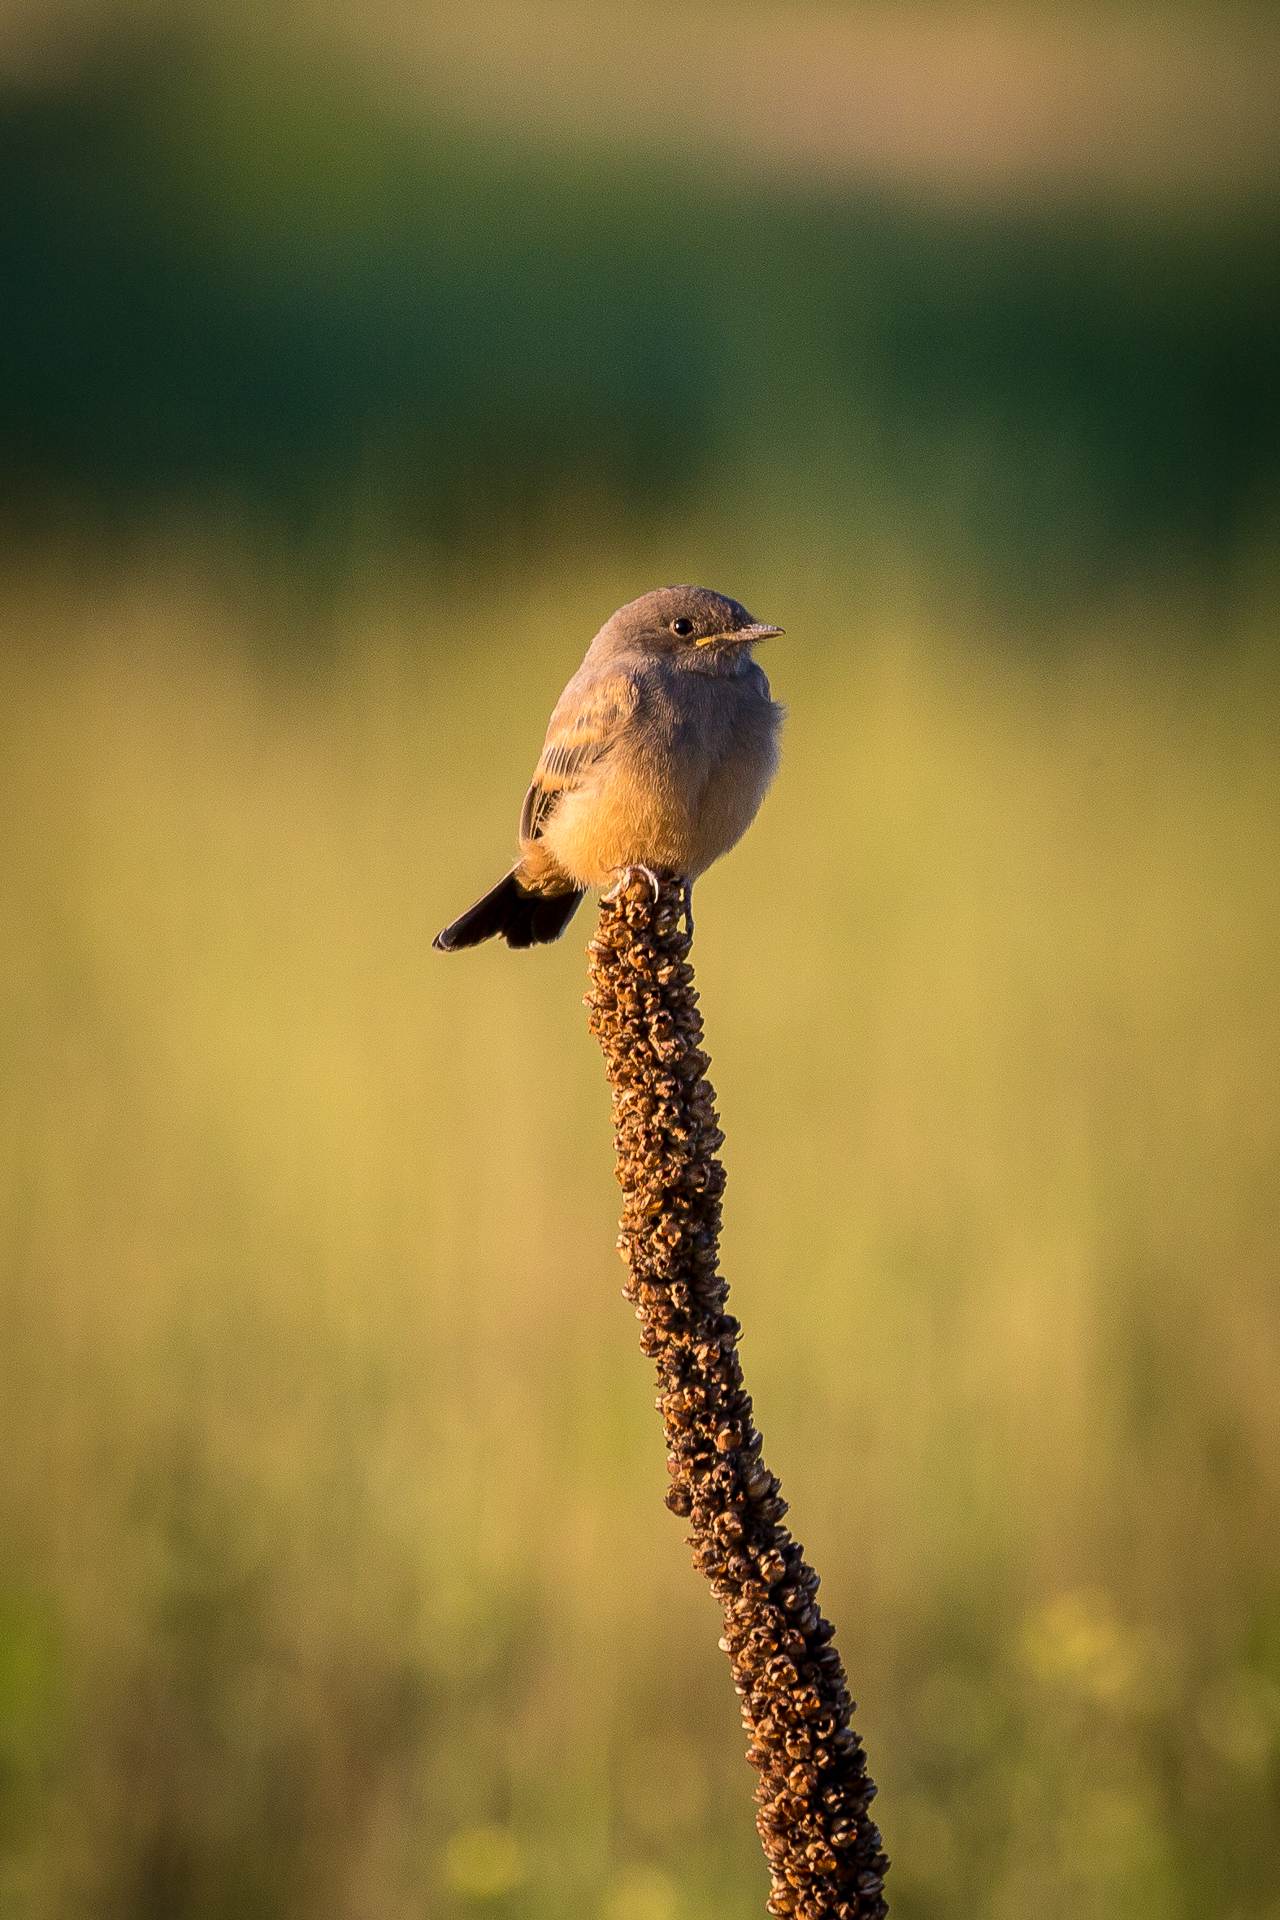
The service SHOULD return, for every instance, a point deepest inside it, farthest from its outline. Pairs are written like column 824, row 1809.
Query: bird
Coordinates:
column 658, row 755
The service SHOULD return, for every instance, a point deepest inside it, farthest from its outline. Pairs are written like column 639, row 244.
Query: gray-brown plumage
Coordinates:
column 658, row 755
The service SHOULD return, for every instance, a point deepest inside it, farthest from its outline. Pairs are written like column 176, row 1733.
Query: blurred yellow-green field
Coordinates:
column 355, row 363
column 336, row 1578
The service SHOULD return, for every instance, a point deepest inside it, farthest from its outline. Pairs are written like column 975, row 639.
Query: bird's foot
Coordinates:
column 624, row 879
column 688, row 908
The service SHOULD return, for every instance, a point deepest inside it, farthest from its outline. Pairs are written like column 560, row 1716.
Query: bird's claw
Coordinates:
column 625, row 876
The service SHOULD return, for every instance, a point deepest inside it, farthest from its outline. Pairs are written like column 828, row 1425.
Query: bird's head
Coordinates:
column 690, row 626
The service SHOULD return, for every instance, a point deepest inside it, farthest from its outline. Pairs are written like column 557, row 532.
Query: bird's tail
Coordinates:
column 522, row 918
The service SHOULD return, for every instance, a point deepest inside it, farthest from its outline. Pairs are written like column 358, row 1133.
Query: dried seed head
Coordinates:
column 772, row 1567
column 813, row 1789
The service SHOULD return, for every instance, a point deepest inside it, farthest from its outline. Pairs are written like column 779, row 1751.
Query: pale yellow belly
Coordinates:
column 641, row 812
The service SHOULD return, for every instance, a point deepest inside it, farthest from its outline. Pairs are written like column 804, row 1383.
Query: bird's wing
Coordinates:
column 583, row 727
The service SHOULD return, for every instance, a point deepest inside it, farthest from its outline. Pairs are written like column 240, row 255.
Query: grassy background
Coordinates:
column 353, row 366
column 336, row 1576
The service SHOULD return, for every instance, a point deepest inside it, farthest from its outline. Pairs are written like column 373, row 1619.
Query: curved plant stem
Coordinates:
column 814, row 1791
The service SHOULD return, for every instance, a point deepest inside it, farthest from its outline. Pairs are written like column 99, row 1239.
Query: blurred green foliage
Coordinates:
column 264, row 291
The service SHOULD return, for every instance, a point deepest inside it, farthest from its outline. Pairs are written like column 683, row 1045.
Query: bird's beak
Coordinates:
column 742, row 636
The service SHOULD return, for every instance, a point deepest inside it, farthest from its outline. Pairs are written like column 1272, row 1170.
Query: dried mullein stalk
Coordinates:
column 814, row 1790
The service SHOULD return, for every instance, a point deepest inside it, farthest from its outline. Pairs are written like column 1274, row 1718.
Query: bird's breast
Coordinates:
column 677, row 790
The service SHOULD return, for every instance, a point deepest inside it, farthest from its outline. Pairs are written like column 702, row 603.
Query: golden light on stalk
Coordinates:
column 814, row 1791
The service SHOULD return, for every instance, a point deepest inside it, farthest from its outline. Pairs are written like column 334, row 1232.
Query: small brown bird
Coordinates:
column 658, row 755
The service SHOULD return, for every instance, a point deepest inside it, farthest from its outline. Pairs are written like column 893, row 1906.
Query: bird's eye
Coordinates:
column 682, row 626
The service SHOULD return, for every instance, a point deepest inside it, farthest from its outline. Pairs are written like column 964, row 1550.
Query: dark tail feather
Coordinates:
column 522, row 919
